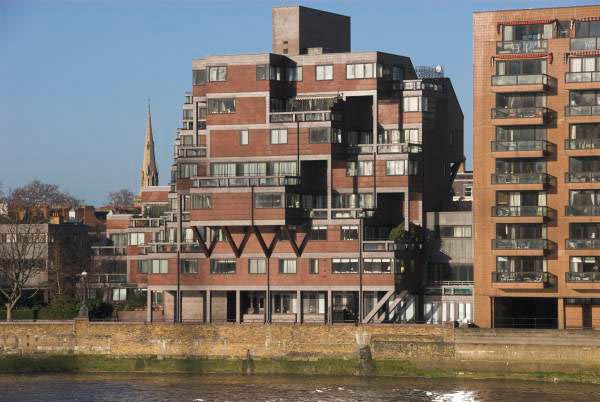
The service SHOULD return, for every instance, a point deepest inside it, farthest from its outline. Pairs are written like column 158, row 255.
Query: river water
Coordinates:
column 200, row 388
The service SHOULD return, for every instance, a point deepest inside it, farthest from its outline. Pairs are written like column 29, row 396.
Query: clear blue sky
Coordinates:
column 75, row 76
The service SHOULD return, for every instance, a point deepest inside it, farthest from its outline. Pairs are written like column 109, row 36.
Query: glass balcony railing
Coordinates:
column 528, row 145
column 522, row 46
column 591, row 43
column 592, row 110
column 526, row 210
column 520, row 178
column 582, row 143
column 576, row 244
column 518, row 112
column 250, row 181
column 582, row 276
column 585, row 76
column 535, row 277
column 582, row 177
column 519, row 244
column 582, row 210
column 529, row 79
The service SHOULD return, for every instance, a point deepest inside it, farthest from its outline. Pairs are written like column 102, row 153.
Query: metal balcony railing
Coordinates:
column 521, row 178
column 584, row 76
column 527, row 145
column 530, row 79
column 526, row 210
column 582, row 177
column 576, row 244
column 519, row 244
column 191, row 151
column 522, row 46
column 586, row 110
column 290, row 117
column 533, row 277
column 582, row 143
column 591, row 43
column 246, row 181
column 582, row 276
column 519, row 112
column 146, row 222
column 351, row 213
column 405, row 148
column 582, row 210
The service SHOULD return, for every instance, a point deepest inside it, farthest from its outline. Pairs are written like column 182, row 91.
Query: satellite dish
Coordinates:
column 439, row 69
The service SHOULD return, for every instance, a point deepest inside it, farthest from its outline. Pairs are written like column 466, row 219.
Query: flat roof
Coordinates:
column 535, row 8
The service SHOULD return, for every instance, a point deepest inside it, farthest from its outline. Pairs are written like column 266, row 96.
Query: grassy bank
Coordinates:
column 349, row 367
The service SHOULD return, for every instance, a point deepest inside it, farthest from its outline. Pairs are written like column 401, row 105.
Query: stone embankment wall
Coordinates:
column 424, row 350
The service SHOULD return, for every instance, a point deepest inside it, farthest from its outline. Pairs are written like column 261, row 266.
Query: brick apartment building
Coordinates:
column 290, row 170
column 537, row 167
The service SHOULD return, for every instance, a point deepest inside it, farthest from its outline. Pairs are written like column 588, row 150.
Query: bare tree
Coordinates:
column 38, row 194
column 23, row 249
column 121, row 199
column 69, row 255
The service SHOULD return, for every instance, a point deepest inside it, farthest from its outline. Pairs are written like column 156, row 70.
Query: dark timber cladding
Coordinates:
column 290, row 170
column 536, row 167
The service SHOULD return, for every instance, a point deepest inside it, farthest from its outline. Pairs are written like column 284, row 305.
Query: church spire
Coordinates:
column 149, row 170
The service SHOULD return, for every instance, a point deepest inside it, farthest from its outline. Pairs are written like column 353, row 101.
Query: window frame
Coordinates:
column 325, row 69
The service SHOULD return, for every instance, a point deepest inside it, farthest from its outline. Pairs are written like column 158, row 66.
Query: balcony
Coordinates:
column 582, row 143
column 519, row 113
column 351, row 213
column 520, row 280
column 521, row 178
column 582, row 177
column 583, row 280
column 582, row 244
column 582, row 210
column 109, row 251
column 384, row 149
column 518, row 146
column 246, row 181
column 520, row 244
column 593, row 110
column 106, row 279
column 158, row 248
column 522, row 46
column 316, row 213
column 191, row 152
column 146, row 222
column 378, row 245
column 592, row 43
column 290, row 117
column 526, row 210
column 586, row 76
column 522, row 82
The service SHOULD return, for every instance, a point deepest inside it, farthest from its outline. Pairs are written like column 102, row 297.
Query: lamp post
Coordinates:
column 83, row 309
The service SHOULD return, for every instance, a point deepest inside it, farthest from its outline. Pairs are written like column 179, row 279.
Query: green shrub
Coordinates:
column 60, row 308
column 99, row 310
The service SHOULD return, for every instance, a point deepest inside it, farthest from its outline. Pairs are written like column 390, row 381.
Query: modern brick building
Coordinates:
column 536, row 167
column 290, row 170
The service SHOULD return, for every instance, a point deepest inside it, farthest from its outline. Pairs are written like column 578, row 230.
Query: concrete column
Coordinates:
column 299, row 306
column 148, row 305
column 208, row 307
column 561, row 313
column 329, row 307
column 237, row 306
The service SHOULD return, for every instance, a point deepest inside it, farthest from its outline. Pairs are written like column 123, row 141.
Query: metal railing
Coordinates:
column 154, row 248
column 109, row 250
column 582, row 143
column 518, row 112
column 528, row 322
column 584, row 76
column 527, row 145
column 576, row 244
column 350, row 213
column 246, row 181
column 582, row 210
column 522, row 46
column 191, row 152
column 317, row 213
column 582, row 276
column 525, row 210
column 146, row 222
column 519, row 244
column 582, row 177
column 591, row 43
column 535, row 277
column 405, row 148
column 521, row 178
column 529, row 79
column 107, row 278
column 290, row 117
column 586, row 110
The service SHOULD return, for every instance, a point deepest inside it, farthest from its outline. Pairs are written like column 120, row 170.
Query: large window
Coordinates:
column 218, row 73
column 397, row 136
column 584, row 231
column 359, row 168
column 318, row 233
column 401, row 167
column 529, row 32
column 585, row 131
column 199, row 77
column 520, row 264
column 230, row 169
column 319, row 135
column 584, row 164
column 136, row 239
column 268, row 200
column 587, row 29
column 584, row 198
column 219, row 106
column 520, row 166
column 160, row 266
column 521, row 67
column 324, row 72
column 515, row 231
column 279, row 136
column 283, row 303
column 520, row 133
column 349, row 233
column 201, row 201
column 584, row 98
column 293, row 73
column 523, row 100
column 189, row 266
column 187, row 170
column 415, row 104
column 144, row 266
column 584, row 264
column 257, row 266
column 455, row 231
column 521, row 198
column 287, row 266
column 361, row 70
column 222, row 266
column 377, row 265
column 584, row 64
column 344, row 265
column 351, row 200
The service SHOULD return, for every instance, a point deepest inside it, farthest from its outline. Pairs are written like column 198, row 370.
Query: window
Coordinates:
column 287, row 266
column 397, row 73
column 377, row 265
column 521, row 67
column 468, row 190
column 257, row 266
column 520, row 264
column 397, row 136
column 515, row 101
column 359, row 168
column 136, row 239
column 279, row 136
column 222, row 266
column 218, row 73
column 262, row 72
column 283, row 303
column 199, row 77
column 362, row 200
column 402, row 167
column 283, row 169
column 319, row 135
column 313, row 266
column 585, row 264
column 243, row 137
column 268, row 200
column 218, row 106
column 318, row 233
column 201, row 201
column 324, row 72
column 587, row 29
column 144, row 266
column 344, row 265
column 189, row 266
column 455, row 231
column 362, row 70
column 187, row 170
column 160, row 266
column 349, row 233
column 294, row 73
column 584, row 98
column 119, row 295
column 415, row 104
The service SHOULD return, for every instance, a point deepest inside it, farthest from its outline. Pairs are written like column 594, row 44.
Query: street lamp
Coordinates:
column 83, row 310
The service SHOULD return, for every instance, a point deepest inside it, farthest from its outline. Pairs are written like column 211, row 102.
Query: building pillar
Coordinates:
column 148, row 305
column 329, row 307
column 237, row 306
column 299, row 306
column 208, row 307
column 561, row 313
